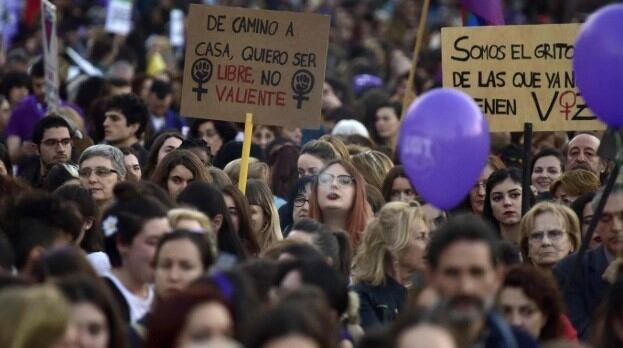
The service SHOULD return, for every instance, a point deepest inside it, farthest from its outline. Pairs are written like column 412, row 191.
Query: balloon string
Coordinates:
column 598, row 211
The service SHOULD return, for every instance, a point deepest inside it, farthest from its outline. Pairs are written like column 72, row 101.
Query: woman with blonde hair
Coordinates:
column 373, row 165
column 33, row 317
column 392, row 250
column 264, row 215
column 573, row 184
column 549, row 232
column 257, row 170
column 338, row 146
column 195, row 221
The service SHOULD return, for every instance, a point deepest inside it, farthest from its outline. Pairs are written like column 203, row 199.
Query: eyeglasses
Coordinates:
column 342, row 180
column 300, row 201
column 101, row 172
column 55, row 142
column 553, row 235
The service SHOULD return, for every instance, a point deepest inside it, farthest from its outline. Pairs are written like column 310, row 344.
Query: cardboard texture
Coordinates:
column 518, row 74
column 269, row 63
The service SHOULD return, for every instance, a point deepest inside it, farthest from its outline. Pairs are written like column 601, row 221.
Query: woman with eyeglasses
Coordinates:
column 101, row 167
column 549, row 232
column 338, row 199
column 297, row 207
column 391, row 252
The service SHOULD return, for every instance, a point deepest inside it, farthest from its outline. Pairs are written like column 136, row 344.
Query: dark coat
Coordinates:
column 380, row 304
column 586, row 290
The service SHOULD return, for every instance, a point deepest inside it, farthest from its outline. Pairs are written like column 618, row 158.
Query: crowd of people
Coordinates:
column 122, row 223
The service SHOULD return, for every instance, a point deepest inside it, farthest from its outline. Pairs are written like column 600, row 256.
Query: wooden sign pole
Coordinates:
column 409, row 93
column 246, row 152
column 527, row 158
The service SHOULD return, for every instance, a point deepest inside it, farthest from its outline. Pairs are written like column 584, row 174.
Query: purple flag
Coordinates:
column 488, row 10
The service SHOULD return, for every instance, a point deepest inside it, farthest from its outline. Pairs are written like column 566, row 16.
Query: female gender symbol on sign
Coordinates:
column 201, row 73
column 302, row 84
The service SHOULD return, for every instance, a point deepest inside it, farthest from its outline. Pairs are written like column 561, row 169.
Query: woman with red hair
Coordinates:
column 338, row 199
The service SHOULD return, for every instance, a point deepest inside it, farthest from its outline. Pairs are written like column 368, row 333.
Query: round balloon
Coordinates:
column 443, row 146
column 598, row 63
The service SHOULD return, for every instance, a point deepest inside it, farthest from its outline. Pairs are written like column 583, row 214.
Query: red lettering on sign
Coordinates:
column 235, row 73
column 249, row 96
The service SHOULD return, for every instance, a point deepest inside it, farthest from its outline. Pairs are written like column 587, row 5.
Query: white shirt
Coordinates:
column 138, row 306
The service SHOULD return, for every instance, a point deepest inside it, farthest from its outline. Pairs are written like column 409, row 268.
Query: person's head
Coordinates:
column 393, row 243
column 194, row 221
column 300, row 199
column 425, row 335
column 189, row 318
column 478, row 192
column 373, row 166
column 314, row 156
column 547, row 166
column 134, row 224
column 53, row 137
column 163, row 144
column 14, row 86
column 333, row 245
column 463, row 267
column 159, row 98
column 338, row 146
column 397, row 187
column 177, row 170
column 289, row 326
column 91, row 238
column 61, row 174
column 257, row 170
column 582, row 154
column 181, row 257
column 584, row 211
column 339, row 193
column 231, row 151
column 209, row 200
column 101, row 167
column 38, row 222
column 132, row 164
column 264, row 215
column 38, row 316
column 386, row 122
column 611, row 221
column 264, row 135
column 94, row 313
column 283, row 169
column 126, row 119
column 219, row 177
column 549, row 232
column 6, row 167
column 529, row 299
column 37, row 79
column 200, row 148
column 572, row 184
column 240, row 213
column 503, row 197
column 215, row 133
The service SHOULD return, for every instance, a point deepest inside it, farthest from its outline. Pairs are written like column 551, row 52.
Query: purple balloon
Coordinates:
column 443, row 146
column 598, row 63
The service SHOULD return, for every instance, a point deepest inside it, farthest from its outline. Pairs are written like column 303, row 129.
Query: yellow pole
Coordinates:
column 246, row 152
column 409, row 93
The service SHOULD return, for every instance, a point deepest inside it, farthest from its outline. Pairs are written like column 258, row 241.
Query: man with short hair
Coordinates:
column 54, row 143
column 125, row 120
column 588, row 286
column 465, row 273
column 26, row 114
column 582, row 154
column 162, row 118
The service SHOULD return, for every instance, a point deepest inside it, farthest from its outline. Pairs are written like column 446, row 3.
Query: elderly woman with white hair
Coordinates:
column 101, row 167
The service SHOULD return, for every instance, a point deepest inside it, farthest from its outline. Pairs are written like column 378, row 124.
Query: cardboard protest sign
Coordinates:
column 119, row 17
column 518, row 74
column 50, row 54
column 269, row 63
